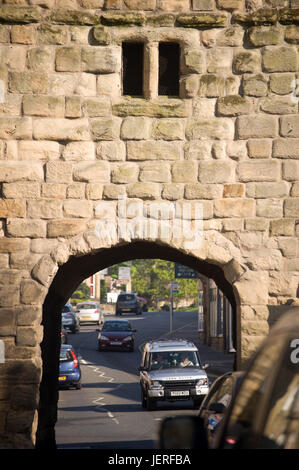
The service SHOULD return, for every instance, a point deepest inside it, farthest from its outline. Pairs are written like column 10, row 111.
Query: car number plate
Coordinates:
column 180, row 393
column 85, row 317
column 115, row 343
column 126, row 309
column 62, row 377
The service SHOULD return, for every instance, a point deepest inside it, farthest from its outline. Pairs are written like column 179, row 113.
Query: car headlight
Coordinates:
column 204, row 381
column 103, row 337
column 127, row 338
column 156, row 384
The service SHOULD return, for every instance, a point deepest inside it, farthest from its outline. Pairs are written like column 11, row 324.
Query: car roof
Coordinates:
column 87, row 302
column 171, row 345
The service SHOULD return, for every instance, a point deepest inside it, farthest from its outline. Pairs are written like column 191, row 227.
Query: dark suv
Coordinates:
column 127, row 303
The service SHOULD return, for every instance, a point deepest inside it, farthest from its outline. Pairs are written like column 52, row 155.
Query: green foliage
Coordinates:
column 82, row 292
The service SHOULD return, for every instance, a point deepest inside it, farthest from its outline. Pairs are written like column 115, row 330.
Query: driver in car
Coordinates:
column 185, row 361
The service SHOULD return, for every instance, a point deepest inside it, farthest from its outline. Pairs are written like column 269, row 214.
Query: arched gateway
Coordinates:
column 182, row 113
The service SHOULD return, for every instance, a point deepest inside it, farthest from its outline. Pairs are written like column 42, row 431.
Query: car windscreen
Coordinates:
column 116, row 326
column 86, row 306
column 65, row 355
column 126, row 297
column 178, row 359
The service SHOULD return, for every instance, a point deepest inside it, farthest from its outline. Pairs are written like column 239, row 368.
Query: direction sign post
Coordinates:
column 183, row 272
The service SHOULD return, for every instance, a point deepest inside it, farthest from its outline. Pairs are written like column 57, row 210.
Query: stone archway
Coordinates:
column 216, row 258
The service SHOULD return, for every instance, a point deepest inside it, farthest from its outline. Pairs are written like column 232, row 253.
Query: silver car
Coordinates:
column 90, row 312
column 171, row 370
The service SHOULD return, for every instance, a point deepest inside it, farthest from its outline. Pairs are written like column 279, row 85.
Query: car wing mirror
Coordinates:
column 217, row 407
column 183, row 432
column 205, row 366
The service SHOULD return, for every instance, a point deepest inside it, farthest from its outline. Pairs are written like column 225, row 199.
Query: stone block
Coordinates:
column 252, row 288
column 65, row 228
column 216, row 171
column 233, row 190
column 219, row 60
column 140, row 4
column 28, row 82
column 73, row 107
column 292, row 34
column 259, row 148
column 20, row 171
column 12, row 208
column 265, row 36
column 123, row 19
column 125, row 173
column 163, row 107
column 32, row 292
column 52, row 34
column 38, row 150
column 280, row 105
column 256, row 224
column 173, row 191
column 73, row 17
column 21, row 190
column 18, row 14
column 26, row 228
column 269, row 208
column 96, row 107
column 255, row 85
column 114, row 191
column 189, row 86
column 290, row 170
column 259, row 170
column 256, row 126
column 109, row 84
column 202, row 4
column 246, row 62
column 13, row 245
column 92, row 172
column 203, row 191
column 79, row 151
column 234, row 207
column 44, row 208
column 143, row 190
column 101, row 59
column 266, row 190
column 214, row 128
column 61, row 129
column 44, row 106
column 202, row 20
column 136, row 128
column 184, row 171
column 77, row 208
column 105, row 128
column 23, row 34
column 75, row 191
column 153, row 150
column 193, row 61
column 59, row 172
column 168, row 129
column 197, row 150
column 111, row 150
column 174, row 5
column 280, row 59
column 233, row 105
column 289, row 126
column 291, row 207
column 212, row 86
column 19, row 128
column 281, row 83
column 286, row 148
column 68, row 59
column 230, row 4
column 157, row 172
column 282, row 227
column 53, row 190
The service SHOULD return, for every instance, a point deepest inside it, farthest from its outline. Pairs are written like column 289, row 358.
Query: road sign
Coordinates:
column 183, row 272
column 175, row 287
column 124, row 273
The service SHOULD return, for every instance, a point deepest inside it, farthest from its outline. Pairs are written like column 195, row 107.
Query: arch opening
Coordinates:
column 67, row 279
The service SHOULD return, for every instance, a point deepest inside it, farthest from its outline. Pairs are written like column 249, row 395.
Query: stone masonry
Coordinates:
column 71, row 144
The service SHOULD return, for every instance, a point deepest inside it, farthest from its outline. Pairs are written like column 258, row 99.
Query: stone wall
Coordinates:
column 71, row 144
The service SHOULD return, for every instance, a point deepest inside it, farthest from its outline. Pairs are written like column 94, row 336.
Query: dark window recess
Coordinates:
column 169, row 69
column 132, row 68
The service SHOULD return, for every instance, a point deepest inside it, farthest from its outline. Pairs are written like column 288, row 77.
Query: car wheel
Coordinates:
column 151, row 404
column 99, row 348
column 143, row 400
column 78, row 386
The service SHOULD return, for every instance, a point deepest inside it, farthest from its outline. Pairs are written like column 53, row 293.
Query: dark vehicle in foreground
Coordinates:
column 128, row 303
column 216, row 402
column 264, row 413
column 69, row 368
column 116, row 334
column 171, row 370
column 70, row 320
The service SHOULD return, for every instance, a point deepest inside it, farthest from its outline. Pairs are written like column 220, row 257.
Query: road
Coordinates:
column 106, row 413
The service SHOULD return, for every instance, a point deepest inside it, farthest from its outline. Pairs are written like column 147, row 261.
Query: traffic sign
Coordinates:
column 175, row 287
column 183, row 272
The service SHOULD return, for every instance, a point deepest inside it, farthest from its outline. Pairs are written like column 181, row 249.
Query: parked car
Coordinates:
column 70, row 319
column 90, row 312
column 127, row 303
column 63, row 335
column 216, row 402
column 264, row 413
column 171, row 370
column 116, row 334
column 69, row 368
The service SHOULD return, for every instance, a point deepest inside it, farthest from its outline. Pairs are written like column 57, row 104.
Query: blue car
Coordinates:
column 69, row 368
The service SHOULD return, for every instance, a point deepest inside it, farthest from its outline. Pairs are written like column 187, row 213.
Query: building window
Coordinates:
column 133, row 53
column 169, row 69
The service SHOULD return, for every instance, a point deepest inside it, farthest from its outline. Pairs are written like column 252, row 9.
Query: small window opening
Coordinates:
column 132, row 68
column 169, row 68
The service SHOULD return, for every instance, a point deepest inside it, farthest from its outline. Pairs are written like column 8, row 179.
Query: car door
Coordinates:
column 240, row 429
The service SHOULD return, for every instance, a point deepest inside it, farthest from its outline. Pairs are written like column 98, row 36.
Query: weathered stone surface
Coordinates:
column 12, row 208
column 262, row 16
column 101, row 60
column 68, row 59
column 169, row 129
column 79, row 151
column 184, row 172
column 282, row 105
column 20, row 171
column 217, row 128
column 94, row 172
column 291, row 207
column 19, row 14
column 136, row 128
column 61, row 129
column 247, row 62
column 123, row 19
column 105, row 128
column 255, row 126
column 290, row 170
column 265, row 189
column 233, row 105
column 157, row 172
column 44, row 208
column 73, row 17
column 234, row 207
column 125, row 173
column 255, row 85
column 143, row 190
column 203, row 191
column 111, row 150
column 280, row 59
column 216, row 171
column 28, row 82
column 259, row 148
column 77, row 208
column 26, row 228
column 161, row 108
column 281, row 83
column 292, row 34
column 52, row 34
column 286, row 148
column 259, row 170
column 153, row 150
column 59, row 172
column 289, row 126
column 200, row 20
column 173, row 191
column 269, row 208
column 40, row 105
column 265, row 35
column 65, row 227
column 21, row 190
column 211, row 85
column 15, row 128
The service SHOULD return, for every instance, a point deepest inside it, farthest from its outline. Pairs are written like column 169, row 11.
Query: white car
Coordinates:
column 90, row 312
